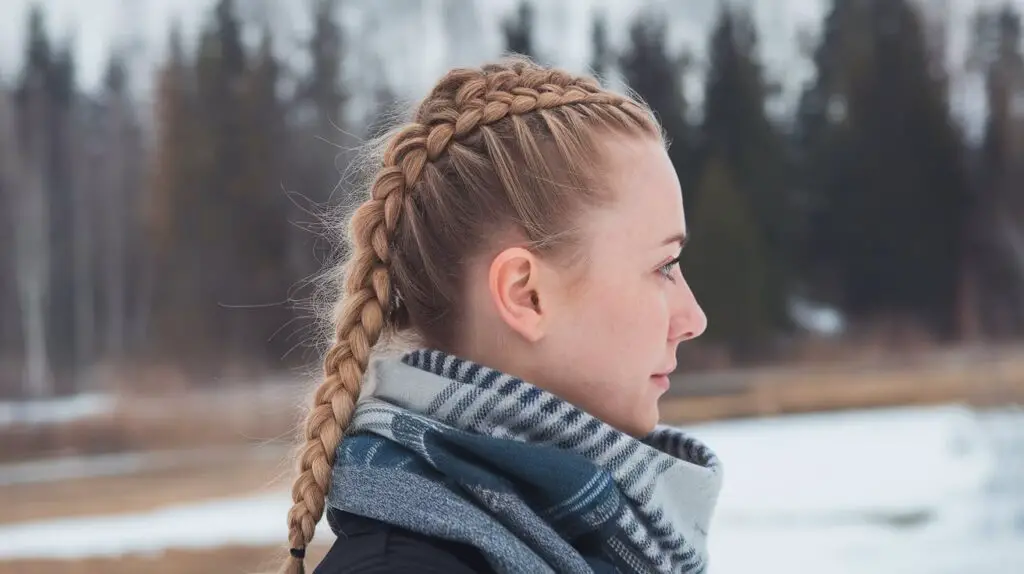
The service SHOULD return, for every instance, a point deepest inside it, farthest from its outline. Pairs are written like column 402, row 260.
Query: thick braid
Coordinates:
column 360, row 320
column 465, row 100
column 461, row 103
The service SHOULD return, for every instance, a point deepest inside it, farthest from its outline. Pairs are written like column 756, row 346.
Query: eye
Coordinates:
column 666, row 269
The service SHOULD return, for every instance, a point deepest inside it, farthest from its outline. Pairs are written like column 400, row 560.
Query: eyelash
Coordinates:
column 666, row 269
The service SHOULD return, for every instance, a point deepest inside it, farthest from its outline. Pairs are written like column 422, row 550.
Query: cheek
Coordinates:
column 625, row 318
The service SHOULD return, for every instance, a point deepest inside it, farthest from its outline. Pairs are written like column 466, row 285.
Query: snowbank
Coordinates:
column 889, row 464
column 249, row 521
column 888, row 491
column 96, row 466
column 863, row 548
column 55, row 411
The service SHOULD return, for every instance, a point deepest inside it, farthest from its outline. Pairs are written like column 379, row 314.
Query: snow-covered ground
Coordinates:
column 908, row 491
column 55, row 411
column 253, row 520
column 63, row 468
column 849, row 466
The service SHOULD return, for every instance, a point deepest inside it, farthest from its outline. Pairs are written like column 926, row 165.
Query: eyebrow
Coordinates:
column 680, row 238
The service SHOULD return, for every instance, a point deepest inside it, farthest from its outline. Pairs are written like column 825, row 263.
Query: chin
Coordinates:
column 642, row 425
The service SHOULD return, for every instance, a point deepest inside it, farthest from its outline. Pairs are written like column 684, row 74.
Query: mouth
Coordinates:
column 665, row 373
column 661, row 380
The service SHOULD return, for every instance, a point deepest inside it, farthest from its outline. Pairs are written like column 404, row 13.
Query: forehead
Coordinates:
column 647, row 205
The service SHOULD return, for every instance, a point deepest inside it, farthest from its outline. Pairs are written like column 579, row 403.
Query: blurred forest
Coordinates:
column 181, row 233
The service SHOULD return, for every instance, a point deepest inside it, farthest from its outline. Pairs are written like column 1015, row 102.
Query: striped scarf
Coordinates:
column 455, row 450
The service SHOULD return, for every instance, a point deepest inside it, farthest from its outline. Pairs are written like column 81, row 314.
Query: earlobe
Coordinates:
column 512, row 282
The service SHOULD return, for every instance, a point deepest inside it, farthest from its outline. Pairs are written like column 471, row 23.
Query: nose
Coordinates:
column 687, row 320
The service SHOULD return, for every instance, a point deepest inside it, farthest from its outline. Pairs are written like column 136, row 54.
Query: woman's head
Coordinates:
column 526, row 219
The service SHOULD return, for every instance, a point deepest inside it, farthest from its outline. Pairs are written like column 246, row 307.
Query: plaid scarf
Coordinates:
column 455, row 450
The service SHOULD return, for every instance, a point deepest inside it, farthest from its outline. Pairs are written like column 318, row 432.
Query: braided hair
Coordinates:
column 511, row 145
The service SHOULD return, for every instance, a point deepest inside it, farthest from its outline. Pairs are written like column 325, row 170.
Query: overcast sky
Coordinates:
column 96, row 25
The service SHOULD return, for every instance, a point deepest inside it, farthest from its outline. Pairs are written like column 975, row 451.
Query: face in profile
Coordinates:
column 600, row 332
column 610, row 340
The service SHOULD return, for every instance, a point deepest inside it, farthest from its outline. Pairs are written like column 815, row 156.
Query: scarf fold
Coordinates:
column 455, row 450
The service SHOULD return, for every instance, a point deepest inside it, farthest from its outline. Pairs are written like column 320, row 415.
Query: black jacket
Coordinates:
column 367, row 546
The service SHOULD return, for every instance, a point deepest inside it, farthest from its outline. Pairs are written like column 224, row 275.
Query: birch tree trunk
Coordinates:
column 30, row 220
column 84, row 229
column 114, row 227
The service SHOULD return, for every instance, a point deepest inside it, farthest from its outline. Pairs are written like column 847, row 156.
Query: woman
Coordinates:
column 526, row 228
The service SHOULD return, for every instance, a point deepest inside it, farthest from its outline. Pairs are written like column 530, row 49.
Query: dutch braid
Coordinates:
column 463, row 102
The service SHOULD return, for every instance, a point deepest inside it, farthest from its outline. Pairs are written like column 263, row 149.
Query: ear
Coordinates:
column 512, row 282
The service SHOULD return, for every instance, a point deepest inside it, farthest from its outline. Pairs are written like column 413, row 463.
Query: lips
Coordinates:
column 665, row 372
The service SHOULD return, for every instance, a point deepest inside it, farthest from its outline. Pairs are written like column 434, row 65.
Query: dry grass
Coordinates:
column 193, row 419
column 977, row 378
column 227, row 560
column 233, row 476
column 269, row 413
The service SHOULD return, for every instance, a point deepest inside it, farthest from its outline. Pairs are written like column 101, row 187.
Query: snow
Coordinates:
column 97, row 466
column 856, row 549
column 816, row 318
column 252, row 520
column 890, row 491
column 55, row 411
column 850, row 465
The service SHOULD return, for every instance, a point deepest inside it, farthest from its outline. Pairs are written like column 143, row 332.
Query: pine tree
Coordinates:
column 172, row 111
column 263, row 252
column 996, row 258
column 518, row 31
column 175, row 207
column 600, row 51
column 63, row 100
column 725, row 263
column 736, row 131
column 886, row 167
column 204, row 160
column 221, row 73
column 657, row 77
column 324, row 93
column 9, row 314
column 119, row 163
column 823, row 139
column 323, row 86
column 43, row 100
column 321, row 136
column 35, row 115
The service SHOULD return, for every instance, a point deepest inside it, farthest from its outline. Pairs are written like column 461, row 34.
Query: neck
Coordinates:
column 502, row 351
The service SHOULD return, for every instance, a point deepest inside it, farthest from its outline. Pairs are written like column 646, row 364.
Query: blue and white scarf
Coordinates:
column 458, row 451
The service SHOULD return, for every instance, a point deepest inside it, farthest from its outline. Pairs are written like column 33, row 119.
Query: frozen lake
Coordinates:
column 908, row 491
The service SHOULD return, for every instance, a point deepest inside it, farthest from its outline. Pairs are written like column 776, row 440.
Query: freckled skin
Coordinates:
column 608, row 331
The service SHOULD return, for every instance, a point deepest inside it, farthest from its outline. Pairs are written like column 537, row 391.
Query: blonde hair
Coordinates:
column 511, row 145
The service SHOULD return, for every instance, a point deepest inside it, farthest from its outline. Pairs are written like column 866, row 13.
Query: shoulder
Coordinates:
column 368, row 546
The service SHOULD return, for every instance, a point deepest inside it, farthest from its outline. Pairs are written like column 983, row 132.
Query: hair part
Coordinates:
column 510, row 147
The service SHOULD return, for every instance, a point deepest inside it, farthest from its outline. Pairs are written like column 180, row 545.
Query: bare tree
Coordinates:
column 10, row 336
column 115, row 215
column 84, row 228
column 994, row 54
column 29, row 217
